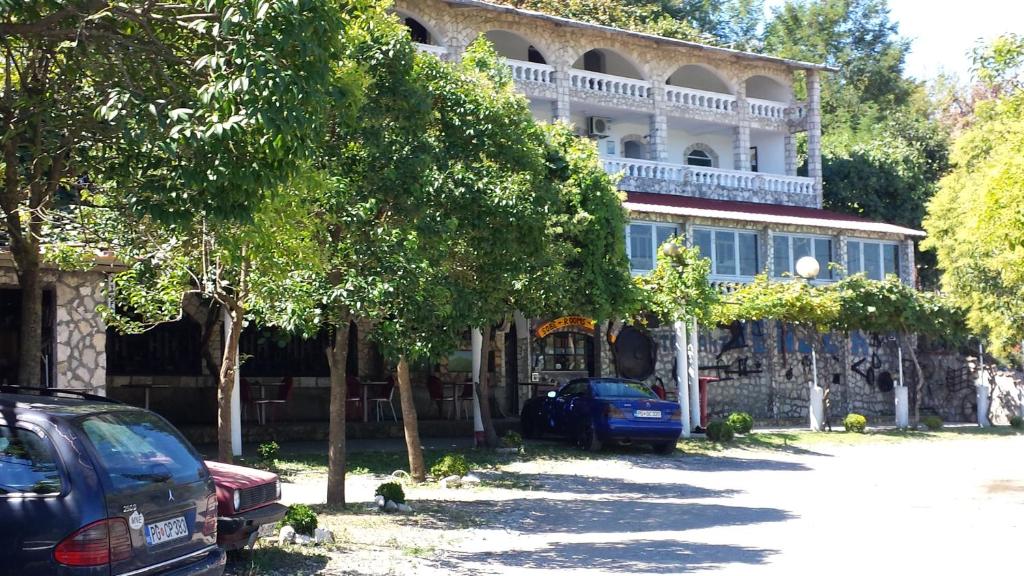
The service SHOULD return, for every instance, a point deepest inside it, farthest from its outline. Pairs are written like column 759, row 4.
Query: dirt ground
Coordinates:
column 913, row 507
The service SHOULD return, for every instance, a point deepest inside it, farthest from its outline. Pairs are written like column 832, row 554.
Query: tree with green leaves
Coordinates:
column 974, row 222
column 193, row 180
column 679, row 287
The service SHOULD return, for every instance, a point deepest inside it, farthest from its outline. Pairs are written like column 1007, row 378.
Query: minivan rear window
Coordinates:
column 138, row 448
column 28, row 465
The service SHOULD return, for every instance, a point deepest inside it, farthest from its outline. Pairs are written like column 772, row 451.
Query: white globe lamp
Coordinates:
column 807, row 268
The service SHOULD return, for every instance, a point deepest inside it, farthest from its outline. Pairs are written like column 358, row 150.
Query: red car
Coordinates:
column 247, row 504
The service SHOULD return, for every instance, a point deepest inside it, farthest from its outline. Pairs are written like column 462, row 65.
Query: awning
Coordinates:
column 755, row 212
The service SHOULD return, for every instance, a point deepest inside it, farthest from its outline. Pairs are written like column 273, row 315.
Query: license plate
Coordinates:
column 266, row 530
column 166, row 531
column 648, row 413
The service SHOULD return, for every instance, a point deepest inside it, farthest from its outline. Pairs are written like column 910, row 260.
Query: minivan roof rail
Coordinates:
column 8, row 389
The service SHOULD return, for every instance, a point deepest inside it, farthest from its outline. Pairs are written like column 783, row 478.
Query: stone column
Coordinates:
column 814, row 132
column 560, row 107
column 790, row 144
column 841, row 252
column 657, row 138
column 456, row 48
column 909, row 271
column 741, row 147
column 768, row 236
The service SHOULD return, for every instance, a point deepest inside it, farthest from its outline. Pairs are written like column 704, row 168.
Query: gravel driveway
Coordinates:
column 914, row 507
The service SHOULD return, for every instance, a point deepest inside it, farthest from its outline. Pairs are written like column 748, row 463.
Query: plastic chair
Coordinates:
column 385, row 399
column 284, row 392
column 466, row 398
column 435, row 387
column 353, row 396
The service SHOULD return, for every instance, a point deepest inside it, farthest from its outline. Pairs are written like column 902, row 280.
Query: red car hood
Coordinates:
column 231, row 477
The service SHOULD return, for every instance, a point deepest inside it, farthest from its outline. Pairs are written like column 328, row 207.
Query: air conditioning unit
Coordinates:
column 600, row 127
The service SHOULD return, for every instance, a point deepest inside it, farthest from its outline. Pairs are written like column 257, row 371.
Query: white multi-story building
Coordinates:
column 706, row 141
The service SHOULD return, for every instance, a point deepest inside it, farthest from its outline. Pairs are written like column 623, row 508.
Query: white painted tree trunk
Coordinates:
column 816, row 407
column 902, row 407
column 236, row 396
column 683, row 377
column 477, row 341
column 692, row 347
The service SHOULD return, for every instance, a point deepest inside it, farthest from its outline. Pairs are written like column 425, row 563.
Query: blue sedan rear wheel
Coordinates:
column 588, row 439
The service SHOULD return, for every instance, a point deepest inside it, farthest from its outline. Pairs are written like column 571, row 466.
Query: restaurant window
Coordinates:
column 567, row 352
column 733, row 253
column 789, row 249
column 875, row 259
column 643, row 240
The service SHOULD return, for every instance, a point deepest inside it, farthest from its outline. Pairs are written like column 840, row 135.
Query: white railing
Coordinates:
column 700, row 99
column 608, row 84
column 702, row 176
column 767, row 109
column 523, row 71
column 439, row 51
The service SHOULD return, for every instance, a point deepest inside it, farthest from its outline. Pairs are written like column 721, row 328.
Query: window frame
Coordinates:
column 654, row 241
column 825, row 275
column 881, row 256
column 715, row 275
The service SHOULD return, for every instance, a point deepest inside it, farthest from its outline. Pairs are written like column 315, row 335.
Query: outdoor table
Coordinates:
column 366, row 393
column 146, row 388
column 261, row 400
column 457, row 389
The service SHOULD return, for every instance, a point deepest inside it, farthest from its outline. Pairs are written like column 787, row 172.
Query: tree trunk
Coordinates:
column 227, row 384
column 30, row 340
column 412, row 431
column 919, row 385
column 483, row 390
column 337, row 359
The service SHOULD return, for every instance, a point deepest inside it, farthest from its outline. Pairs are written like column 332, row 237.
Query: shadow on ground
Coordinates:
column 631, row 556
column 271, row 560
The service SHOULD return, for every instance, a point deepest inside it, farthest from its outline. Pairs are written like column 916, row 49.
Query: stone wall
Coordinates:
column 79, row 331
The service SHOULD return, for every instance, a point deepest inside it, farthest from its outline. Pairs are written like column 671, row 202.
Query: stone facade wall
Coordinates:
column 80, row 338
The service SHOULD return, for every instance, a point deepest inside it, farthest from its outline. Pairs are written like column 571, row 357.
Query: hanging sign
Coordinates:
column 558, row 324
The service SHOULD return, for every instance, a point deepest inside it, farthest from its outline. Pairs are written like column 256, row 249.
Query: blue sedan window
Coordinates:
column 622, row 390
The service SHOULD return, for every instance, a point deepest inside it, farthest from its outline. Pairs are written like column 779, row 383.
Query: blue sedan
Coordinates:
column 597, row 411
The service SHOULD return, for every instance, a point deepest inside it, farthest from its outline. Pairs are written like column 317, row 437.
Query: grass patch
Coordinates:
column 271, row 559
column 419, row 551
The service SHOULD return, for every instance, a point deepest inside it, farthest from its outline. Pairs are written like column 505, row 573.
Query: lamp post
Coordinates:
column 808, row 269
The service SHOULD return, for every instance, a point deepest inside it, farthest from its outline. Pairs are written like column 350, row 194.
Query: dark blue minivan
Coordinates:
column 89, row 486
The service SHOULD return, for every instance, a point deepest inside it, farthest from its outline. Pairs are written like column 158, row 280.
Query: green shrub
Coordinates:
column 855, row 423
column 740, row 422
column 268, row 451
column 512, row 439
column 450, row 465
column 1017, row 422
column 719, row 431
column 391, row 491
column 301, row 518
column 932, row 422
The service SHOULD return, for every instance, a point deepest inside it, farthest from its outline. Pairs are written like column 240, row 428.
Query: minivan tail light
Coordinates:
column 96, row 544
column 210, row 524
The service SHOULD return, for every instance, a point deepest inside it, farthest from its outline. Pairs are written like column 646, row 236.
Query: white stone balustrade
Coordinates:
column 523, row 71
column 608, row 84
column 439, row 51
column 699, row 175
column 700, row 99
column 767, row 109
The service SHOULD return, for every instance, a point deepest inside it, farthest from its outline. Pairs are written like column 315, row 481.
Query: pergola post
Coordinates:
column 477, row 341
column 682, row 376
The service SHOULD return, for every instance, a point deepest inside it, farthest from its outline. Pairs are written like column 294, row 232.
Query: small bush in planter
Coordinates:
column 1017, row 422
column 932, row 422
column 719, row 431
column 391, row 491
column 855, row 423
column 512, row 439
column 268, row 451
column 301, row 518
column 450, row 465
column 740, row 422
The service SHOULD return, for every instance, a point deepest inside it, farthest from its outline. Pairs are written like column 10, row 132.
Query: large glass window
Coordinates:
column 567, row 351
column 28, row 465
column 732, row 253
column 875, row 259
column 644, row 238
column 788, row 249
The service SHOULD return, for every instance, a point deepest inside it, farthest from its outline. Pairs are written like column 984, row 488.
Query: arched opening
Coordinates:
column 765, row 88
column 418, row 32
column 699, row 78
column 514, row 46
column 634, row 147
column 701, row 155
column 606, row 61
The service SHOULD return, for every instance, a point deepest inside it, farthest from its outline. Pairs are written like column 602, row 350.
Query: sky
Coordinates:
column 943, row 32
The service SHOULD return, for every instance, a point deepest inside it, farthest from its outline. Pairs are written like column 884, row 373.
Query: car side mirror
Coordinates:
column 551, row 394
